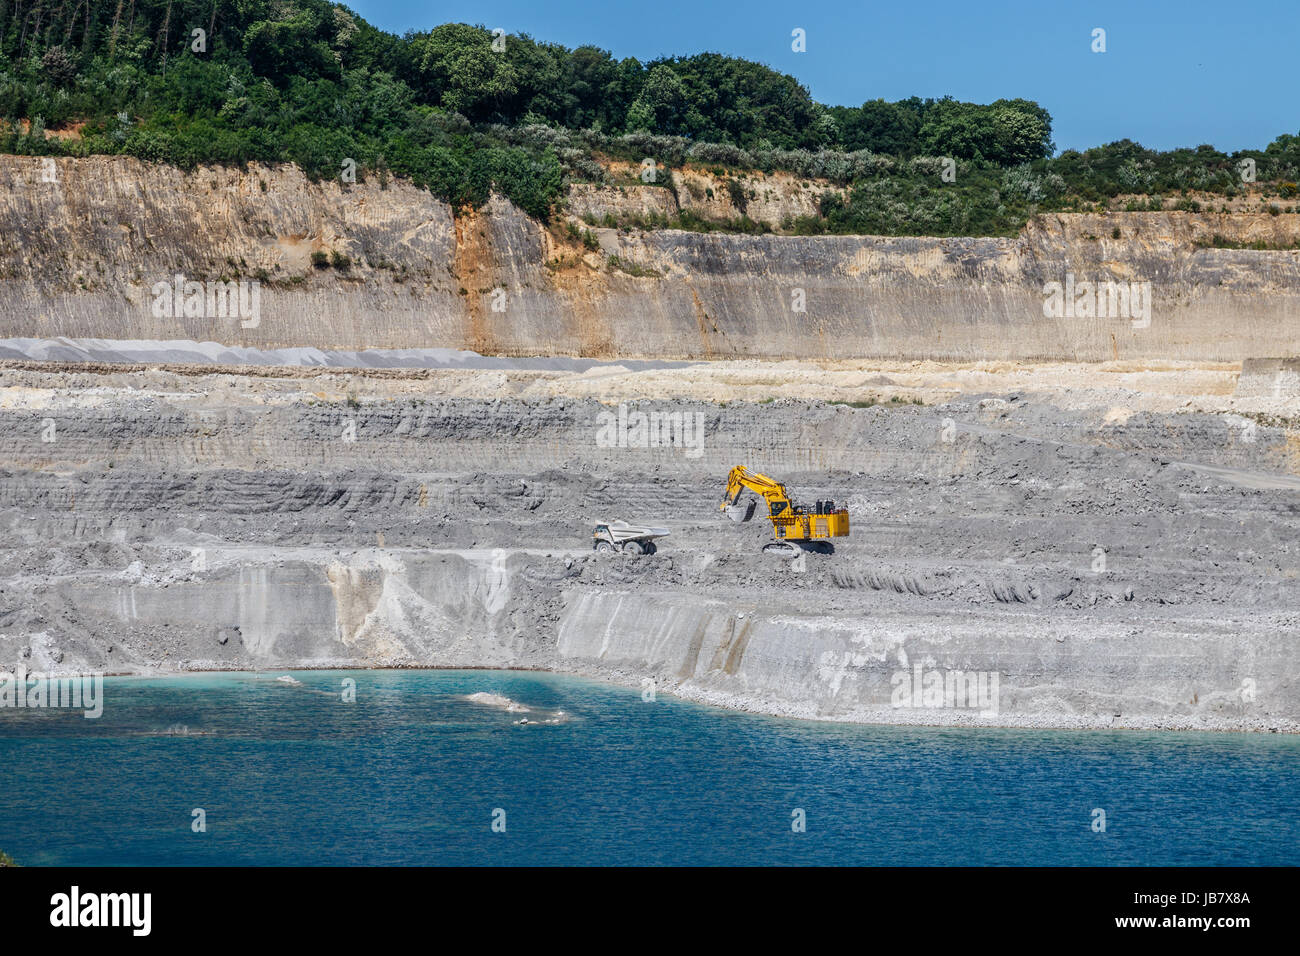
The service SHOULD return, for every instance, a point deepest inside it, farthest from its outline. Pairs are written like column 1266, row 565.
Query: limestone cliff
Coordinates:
column 81, row 254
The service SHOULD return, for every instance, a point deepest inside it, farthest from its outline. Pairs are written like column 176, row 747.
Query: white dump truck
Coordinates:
column 629, row 538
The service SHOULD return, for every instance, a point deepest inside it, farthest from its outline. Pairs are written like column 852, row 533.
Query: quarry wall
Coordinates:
column 82, row 256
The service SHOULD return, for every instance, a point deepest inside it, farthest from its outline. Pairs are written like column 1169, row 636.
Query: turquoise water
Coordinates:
column 411, row 772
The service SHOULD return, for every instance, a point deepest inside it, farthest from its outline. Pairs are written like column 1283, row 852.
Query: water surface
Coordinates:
column 411, row 773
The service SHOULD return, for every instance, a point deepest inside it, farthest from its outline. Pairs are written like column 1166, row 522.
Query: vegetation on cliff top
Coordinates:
column 461, row 112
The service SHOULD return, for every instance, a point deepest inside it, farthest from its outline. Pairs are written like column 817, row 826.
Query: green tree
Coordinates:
column 661, row 106
column 459, row 70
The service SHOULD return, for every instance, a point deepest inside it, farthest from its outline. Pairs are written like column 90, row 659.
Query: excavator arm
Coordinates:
column 773, row 492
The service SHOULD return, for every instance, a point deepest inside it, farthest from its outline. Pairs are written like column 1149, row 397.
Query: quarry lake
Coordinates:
column 414, row 771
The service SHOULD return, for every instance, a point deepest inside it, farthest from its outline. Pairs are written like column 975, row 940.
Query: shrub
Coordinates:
column 58, row 67
column 721, row 153
column 736, row 192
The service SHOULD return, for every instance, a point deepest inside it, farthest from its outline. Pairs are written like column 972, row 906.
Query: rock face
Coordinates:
column 82, row 256
column 770, row 198
column 1269, row 378
column 589, row 200
column 1137, row 570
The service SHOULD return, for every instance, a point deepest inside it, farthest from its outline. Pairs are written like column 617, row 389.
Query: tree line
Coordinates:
column 461, row 110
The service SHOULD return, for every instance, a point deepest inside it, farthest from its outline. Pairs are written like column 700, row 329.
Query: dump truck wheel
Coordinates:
column 604, row 547
column 633, row 547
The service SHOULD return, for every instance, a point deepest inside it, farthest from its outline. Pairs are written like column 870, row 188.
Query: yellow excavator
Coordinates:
column 792, row 525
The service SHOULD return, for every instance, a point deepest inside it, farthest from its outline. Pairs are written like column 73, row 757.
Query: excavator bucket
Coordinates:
column 742, row 511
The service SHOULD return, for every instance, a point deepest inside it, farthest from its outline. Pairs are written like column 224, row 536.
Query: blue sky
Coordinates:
column 1173, row 74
